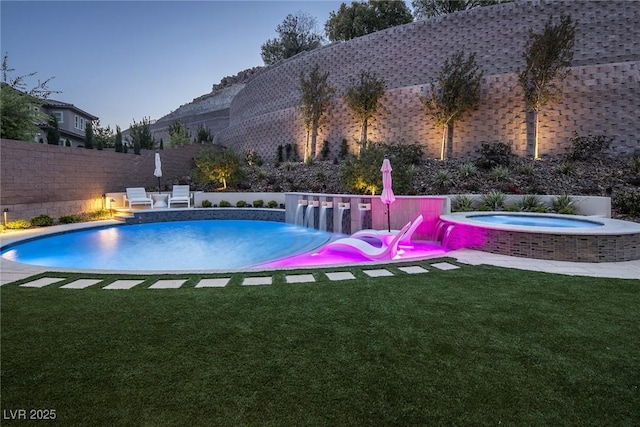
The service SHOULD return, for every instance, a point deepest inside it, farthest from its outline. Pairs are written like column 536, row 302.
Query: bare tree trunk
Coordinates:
column 444, row 141
column 449, row 140
column 536, row 133
column 307, row 149
column 363, row 135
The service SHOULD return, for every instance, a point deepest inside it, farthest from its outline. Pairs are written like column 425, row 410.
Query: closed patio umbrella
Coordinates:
column 387, row 195
column 158, row 171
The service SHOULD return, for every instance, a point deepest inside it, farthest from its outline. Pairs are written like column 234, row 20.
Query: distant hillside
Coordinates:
column 210, row 110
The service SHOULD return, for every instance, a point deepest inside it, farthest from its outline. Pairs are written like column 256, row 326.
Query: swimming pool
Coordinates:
column 169, row 246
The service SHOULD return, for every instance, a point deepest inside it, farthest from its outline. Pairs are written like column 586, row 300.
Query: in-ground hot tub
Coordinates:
column 543, row 236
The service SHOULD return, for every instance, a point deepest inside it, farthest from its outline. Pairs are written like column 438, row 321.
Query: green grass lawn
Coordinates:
column 475, row 346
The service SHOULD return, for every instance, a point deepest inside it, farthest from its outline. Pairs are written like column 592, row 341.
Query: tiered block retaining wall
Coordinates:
column 600, row 95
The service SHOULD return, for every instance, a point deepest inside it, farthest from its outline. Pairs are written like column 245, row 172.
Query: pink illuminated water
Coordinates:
column 418, row 250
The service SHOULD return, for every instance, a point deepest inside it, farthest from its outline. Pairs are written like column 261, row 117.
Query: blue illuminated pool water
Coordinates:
column 535, row 221
column 168, row 246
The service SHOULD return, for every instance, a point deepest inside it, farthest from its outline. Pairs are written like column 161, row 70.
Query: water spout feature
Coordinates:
column 322, row 221
column 342, row 207
column 299, row 212
column 309, row 218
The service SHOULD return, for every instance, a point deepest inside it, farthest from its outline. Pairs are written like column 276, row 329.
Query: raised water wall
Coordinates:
column 599, row 96
column 348, row 213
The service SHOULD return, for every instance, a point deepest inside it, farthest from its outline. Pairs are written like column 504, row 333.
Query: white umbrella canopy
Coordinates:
column 387, row 195
column 158, row 171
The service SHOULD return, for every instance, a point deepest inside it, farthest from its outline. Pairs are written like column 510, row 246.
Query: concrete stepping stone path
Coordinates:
column 334, row 276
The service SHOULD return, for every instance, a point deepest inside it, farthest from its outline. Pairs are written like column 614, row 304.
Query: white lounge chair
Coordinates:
column 180, row 194
column 138, row 196
column 380, row 234
column 350, row 244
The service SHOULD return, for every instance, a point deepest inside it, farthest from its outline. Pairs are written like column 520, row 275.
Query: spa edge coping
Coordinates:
column 610, row 227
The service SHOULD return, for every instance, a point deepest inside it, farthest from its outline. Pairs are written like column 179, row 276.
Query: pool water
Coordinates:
column 170, row 246
column 535, row 221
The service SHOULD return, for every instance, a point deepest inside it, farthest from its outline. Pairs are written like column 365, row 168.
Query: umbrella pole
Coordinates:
column 158, row 185
column 388, row 220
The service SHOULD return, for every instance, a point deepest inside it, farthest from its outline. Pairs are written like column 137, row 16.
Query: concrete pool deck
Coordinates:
column 12, row 271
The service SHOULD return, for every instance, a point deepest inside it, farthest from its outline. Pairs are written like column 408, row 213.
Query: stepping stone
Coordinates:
column 123, row 284
column 41, row 283
column 300, row 278
column 341, row 275
column 444, row 266
column 378, row 273
column 80, row 284
column 213, row 283
column 414, row 269
column 167, row 284
column 257, row 281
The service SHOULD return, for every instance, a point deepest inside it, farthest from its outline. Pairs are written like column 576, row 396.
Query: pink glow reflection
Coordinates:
column 418, row 250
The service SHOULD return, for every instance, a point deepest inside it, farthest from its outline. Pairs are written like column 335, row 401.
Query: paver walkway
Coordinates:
column 387, row 271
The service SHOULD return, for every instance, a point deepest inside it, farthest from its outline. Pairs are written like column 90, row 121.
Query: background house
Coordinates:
column 71, row 122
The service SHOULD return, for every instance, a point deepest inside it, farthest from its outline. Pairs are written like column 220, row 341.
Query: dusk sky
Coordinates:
column 125, row 60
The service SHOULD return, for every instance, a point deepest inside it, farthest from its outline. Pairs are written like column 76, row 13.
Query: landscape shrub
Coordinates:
column 467, row 170
column 258, row 203
column 239, row 204
column 563, row 204
column 206, row 204
column 18, row 224
column 499, row 173
column 42, row 221
column 492, row 154
column 69, row 219
column 530, row 203
column 627, row 203
column 344, row 149
column 493, row 200
column 253, row 159
column 406, row 154
column 443, row 180
column 324, row 153
column 588, row 147
column 462, row 203
column 272, row 204
column 225, row 204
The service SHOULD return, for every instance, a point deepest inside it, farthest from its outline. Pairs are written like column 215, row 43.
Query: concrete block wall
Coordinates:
column 54, row 180
column 600, row 94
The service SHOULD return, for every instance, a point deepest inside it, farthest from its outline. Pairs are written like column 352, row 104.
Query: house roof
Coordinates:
column 52, row 103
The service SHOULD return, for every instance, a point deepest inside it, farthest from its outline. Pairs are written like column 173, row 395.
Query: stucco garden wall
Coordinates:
column 54, row 180
column 600, row 95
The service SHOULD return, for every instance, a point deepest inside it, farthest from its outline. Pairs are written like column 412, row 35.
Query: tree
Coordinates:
column 363, row 98
column 102, row 136
column 19, row 114
column 222, row 165
column 547, row 57
column 429, row 8
column 457, row 91
column 118, row 142
column 53, row 131
column 316, row 94
column 140, row 134
column 88, row 135
column 203, row 134
column 178, row 134
column 364, row 18
column 297, row 33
